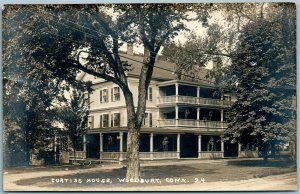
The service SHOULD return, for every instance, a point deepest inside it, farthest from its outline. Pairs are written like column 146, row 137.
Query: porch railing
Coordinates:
column 193, row 100
column 78, row 155
column 210, row 154
column 143, row 155
column 192, row 123
column 166, row 99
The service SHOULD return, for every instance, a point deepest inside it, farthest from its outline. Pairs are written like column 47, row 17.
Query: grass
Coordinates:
column 233, row 170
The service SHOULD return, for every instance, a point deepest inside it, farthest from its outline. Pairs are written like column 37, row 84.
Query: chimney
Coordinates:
column 129, row 49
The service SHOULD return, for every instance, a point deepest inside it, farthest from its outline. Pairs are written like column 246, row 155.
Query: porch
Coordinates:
column 153, row 146
column 189, row 94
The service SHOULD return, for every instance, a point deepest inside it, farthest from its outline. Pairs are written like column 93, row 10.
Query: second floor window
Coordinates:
column 149, row 96
column 103, row 96
column 227, row 98
column 116, row 119
column 115, row 94
column 225, row 116
column 104, row 119
column 90, row 122
column 148, row 119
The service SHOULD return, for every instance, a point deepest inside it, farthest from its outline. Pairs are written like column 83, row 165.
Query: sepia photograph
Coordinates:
column 149, row 97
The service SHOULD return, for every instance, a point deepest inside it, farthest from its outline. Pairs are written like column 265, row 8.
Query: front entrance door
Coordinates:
column 188, row 146
column 93, row 146
column 230, row 150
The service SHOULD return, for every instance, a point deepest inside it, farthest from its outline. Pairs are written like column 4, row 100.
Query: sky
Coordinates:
column 193, row 26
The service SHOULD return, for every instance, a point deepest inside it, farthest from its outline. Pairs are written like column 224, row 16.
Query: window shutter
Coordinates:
column 112, row 94
column 118, row 96
column 150, row 119
column 100, row 121
column 150, row 93
column 100, row 96
column 106, row 92
column 111, row 120
column 92, row 122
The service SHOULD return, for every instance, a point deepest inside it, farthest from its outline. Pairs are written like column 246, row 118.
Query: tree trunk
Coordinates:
column 133, row 160
column 133, row 127
column 293, row 149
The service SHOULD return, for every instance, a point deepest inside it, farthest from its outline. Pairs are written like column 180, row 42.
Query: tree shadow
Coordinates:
column 153, row 172
column 262, row 163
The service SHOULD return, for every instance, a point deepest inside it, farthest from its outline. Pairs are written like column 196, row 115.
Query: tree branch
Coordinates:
column 77, row 65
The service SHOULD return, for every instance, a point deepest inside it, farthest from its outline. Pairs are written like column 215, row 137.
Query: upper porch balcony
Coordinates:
column 184, row 94
column 206, row 119
column 191, row 100
column 192, row 123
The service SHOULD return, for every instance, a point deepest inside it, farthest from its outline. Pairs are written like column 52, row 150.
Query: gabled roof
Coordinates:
column 163, row 70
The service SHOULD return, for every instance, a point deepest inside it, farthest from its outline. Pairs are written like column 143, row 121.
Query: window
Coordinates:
column 226, row 116
column 148, row 119
column 104, row 119
column 103, row 96
column 115, row 94
column 91, row 122
column 149, row 96
column 116, row 119
column 87, row 99
column 227, row 98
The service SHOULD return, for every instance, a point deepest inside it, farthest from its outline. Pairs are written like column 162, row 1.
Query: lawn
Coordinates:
column 186, row 173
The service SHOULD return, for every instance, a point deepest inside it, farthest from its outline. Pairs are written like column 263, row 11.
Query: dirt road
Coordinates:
column 283, row 182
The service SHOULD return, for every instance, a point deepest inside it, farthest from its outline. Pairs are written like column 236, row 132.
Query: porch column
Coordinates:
column 199, row 146
column 178, row 145
column 176, row 91
column 222, row 115
column 222, row 148
column 121, row 146
column 84, row 143
column 239, row 149
column 101, row 144
column 198, row 94
column 151, row 146
column 198, row 117
column 176, row 114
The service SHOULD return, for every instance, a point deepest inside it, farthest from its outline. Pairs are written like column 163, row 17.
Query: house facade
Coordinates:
column 184, row 119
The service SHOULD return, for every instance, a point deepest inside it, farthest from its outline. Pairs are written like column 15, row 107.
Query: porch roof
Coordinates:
column 206, row 83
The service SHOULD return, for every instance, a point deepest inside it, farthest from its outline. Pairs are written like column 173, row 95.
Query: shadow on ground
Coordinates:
column 157, row 172
column 211, row 172
column 261, row 163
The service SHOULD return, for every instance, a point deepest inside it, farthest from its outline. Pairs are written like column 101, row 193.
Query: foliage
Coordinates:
column 58, row 36
column 262, row 75
column 74, row 117
column 196, row 50
column 30, row 92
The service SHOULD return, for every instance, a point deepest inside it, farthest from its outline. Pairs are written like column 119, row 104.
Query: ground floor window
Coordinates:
column 124, row 142
column 92, row 145
column 164, row 142
column 210, row 143
column 111, row 142
column 248, row 147
column 145, row 142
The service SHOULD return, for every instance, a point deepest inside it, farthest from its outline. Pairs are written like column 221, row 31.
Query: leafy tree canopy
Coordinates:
column 262, row 75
